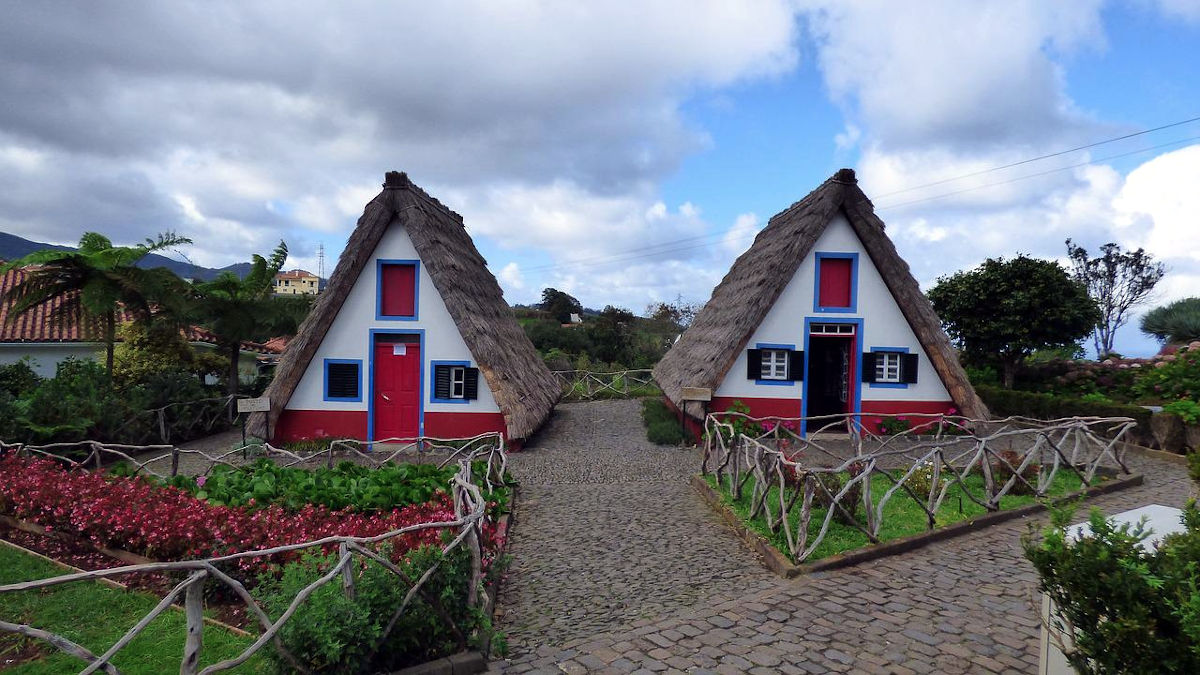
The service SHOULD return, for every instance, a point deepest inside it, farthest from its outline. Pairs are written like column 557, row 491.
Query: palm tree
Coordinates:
column 1176, row 323
column 95, row 284
column 232, row 308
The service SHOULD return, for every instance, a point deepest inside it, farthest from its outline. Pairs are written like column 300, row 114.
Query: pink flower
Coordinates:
column 201, row 480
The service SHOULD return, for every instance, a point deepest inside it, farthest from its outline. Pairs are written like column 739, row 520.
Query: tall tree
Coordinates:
column 560, row 305
column 232, row 308
column 1175, row 323
column 1002, row 311
column 95, row 283
column 1117, row 280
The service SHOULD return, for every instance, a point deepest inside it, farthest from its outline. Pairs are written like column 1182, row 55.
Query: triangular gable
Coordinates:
column 524, row 389
column 722, row 329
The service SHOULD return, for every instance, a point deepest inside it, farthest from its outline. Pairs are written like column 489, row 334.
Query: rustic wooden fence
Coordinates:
column 181, row 421
column 470, row 512
column 584, row 385
column 785, row 472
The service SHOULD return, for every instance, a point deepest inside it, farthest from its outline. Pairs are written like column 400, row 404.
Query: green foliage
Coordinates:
column 78, row 402
column 1002, row 311
column 331, row 633
column 559, row 305
column 147, row 350
column 890, row 426
column 1132, row 610
column 95, row 281
column 18, row 379
column 1006, row 402
column 1175, row 323
column 347, row 485
column 1172, row 380
column 662, row 426
column 1188, row 411
column 1117, row 280
column 234, row 308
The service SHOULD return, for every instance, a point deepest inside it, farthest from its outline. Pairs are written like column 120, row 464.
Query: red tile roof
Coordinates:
column 35, row 326
column 296, row 274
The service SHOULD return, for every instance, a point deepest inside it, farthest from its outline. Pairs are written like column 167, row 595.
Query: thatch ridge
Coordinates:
column 524, row 388
column 722, row 329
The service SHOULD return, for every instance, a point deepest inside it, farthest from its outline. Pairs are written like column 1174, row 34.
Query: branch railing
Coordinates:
column 585, row 385
column 470, row 513
column 181, row 420
column 787, row 475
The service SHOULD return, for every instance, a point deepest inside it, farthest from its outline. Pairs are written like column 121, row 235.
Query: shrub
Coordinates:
column 662, row 427
column 1189, row 411
column 1132, row 610
column 1005, row 466
column 331, row 633
column 890, row 426
column 1172, row 380
column 1005, row 402
column 18, row 379
column 921, row 480
column 833, row 484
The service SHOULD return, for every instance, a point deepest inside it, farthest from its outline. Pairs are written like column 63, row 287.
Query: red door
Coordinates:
column 397, row 398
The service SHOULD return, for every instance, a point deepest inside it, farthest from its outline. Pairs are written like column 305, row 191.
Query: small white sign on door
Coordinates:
column 399, row 350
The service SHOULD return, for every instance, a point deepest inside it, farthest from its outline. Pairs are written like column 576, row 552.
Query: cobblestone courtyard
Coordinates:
column 619, row 567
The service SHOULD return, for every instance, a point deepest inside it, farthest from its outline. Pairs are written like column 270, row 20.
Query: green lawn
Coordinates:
column 902, row 516
column 95, row 616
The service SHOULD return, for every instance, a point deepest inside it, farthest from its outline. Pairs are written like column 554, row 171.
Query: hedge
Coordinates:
column 1007, row 402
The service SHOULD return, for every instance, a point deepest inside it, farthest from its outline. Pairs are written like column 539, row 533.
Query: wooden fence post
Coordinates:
column 174, row 461
column 193, row 607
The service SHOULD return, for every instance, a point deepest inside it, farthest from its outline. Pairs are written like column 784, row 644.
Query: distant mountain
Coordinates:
column 13, row 247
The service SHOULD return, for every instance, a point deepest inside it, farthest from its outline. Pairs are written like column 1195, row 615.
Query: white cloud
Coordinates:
column 510, row 277
column 1159, row 207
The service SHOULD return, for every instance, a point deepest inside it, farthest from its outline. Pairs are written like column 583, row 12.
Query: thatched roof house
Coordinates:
column 822, row 279
column 395, row 345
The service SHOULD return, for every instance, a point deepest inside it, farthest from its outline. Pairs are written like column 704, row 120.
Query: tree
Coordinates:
column 678, row 313
column 611, row 335
column 1175, row 323
column 232, row 308
column 559, row 305
column 1117, row 280
column 1001, row 311
column 94, row 283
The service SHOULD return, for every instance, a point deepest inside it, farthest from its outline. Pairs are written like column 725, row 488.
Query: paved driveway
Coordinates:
column 620, row 567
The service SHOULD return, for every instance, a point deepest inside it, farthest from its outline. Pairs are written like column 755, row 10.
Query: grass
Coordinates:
column 662, row 426
column 902, row 516
column 96, row 616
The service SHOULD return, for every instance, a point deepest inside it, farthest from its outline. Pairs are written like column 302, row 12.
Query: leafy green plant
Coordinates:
column 1005, row 402
column 346, row 485
column 1173, row 380
column 890, row 426
column 1189, row 411
column 662, row 427
column 332, row 633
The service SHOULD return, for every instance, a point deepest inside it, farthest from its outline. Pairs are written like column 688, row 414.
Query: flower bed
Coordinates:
column 167, row 523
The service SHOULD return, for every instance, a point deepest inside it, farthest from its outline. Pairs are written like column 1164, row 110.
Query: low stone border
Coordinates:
column 1164, row 455
column 780, row 564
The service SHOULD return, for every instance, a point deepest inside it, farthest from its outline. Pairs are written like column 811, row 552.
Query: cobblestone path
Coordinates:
column 606, row 581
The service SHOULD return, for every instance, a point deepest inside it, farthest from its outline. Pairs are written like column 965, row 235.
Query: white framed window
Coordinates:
column 458, row 382
column 774, row 364
column 831, row 329
column 887, row 367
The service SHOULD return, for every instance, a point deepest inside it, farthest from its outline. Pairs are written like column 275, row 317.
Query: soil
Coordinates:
column 86, row 558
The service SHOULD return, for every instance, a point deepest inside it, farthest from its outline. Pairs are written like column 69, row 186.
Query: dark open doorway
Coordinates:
column 829, row 382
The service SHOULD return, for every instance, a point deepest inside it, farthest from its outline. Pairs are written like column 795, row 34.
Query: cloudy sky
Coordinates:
column 623, row 152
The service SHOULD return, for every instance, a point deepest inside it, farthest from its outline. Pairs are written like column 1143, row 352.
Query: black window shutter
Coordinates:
column 908, row 368
column 471, row 384
column 754, row 364
column 441, row 382
column 868, row 366
column 796, row 366
column 342, row 380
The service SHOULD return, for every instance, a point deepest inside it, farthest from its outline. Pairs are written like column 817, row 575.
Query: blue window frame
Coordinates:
column 898, row 365
column 433, row 367
column 380, row 263
column 853, row 308
column 341, row 375
column 855, row 377
column 791, row 381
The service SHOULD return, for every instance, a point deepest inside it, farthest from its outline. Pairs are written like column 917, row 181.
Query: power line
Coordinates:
column 1040, row 157
column 1036, row 175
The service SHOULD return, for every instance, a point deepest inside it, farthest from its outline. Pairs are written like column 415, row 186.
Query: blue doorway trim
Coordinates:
column 420, row 333
column 855, row 377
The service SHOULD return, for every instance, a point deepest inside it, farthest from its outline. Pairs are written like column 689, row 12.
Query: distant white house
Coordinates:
column 297, row 282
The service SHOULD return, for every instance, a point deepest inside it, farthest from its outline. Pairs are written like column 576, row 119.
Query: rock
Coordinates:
column 1192, row 433
column 1169, row 432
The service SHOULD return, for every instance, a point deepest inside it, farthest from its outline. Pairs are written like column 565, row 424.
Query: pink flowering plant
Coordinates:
column 890, row 426
column 168, row 523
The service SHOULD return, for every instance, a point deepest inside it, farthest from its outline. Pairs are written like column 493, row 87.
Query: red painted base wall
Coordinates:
column 872, row 411
column 462, row 425
column 296, row 425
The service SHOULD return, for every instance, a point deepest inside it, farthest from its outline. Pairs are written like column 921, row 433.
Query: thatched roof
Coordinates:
column 719, row 333
column 523, row 387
